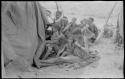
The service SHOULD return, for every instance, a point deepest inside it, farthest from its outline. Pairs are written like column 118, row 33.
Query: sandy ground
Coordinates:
column 109, row 66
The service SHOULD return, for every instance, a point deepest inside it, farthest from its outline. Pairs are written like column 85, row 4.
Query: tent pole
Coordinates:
column 110, row 13
column 62, row 10
column 57, row 6
column 101, row 33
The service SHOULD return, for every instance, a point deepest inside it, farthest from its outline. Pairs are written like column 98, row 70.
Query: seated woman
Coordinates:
column 83, row 23
column 93, row 29
column 58, row 16
column 64, row 23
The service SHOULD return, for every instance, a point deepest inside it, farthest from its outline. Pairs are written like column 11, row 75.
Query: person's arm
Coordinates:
column 96, row 31
column 67, row 27
column 51, row 41
column 61, row 51
column 47, row 53
column 76, row 43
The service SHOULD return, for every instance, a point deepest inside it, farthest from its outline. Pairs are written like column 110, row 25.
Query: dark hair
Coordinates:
column 65, row 17
column 92, row 19
column 58, row 12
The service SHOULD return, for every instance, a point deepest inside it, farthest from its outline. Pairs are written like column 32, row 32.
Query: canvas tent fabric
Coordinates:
column 119, row 32
column 120, row 23
column 23, row 31
column 2, row 67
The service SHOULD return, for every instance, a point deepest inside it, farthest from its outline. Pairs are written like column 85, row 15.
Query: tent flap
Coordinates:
column 22, row 26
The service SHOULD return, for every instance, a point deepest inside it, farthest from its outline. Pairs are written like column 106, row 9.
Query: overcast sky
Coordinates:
column 83, row 8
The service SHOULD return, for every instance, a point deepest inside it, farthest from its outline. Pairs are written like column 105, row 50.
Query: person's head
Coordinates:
column 65, row 17
column 74, row 20
column 70, row 40
column 48, row 13
column 84, row 21
column 91, row 20
column 64, row 20
column 58, row 14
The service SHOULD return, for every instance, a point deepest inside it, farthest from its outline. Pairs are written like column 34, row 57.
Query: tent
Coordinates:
column 119, row 35
column 120, row 23
column 23, row 32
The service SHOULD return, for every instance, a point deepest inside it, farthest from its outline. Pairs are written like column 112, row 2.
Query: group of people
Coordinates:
column 31, row 38
column 64, row 38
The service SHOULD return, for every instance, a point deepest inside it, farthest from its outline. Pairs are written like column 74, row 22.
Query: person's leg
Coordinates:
column 47, row 53
column 65, row 53
column 38, row 54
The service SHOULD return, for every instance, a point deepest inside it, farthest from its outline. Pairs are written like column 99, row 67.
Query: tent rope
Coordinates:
column 110, row 13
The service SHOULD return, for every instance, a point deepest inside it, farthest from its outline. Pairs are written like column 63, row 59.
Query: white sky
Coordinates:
column 96, row 8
